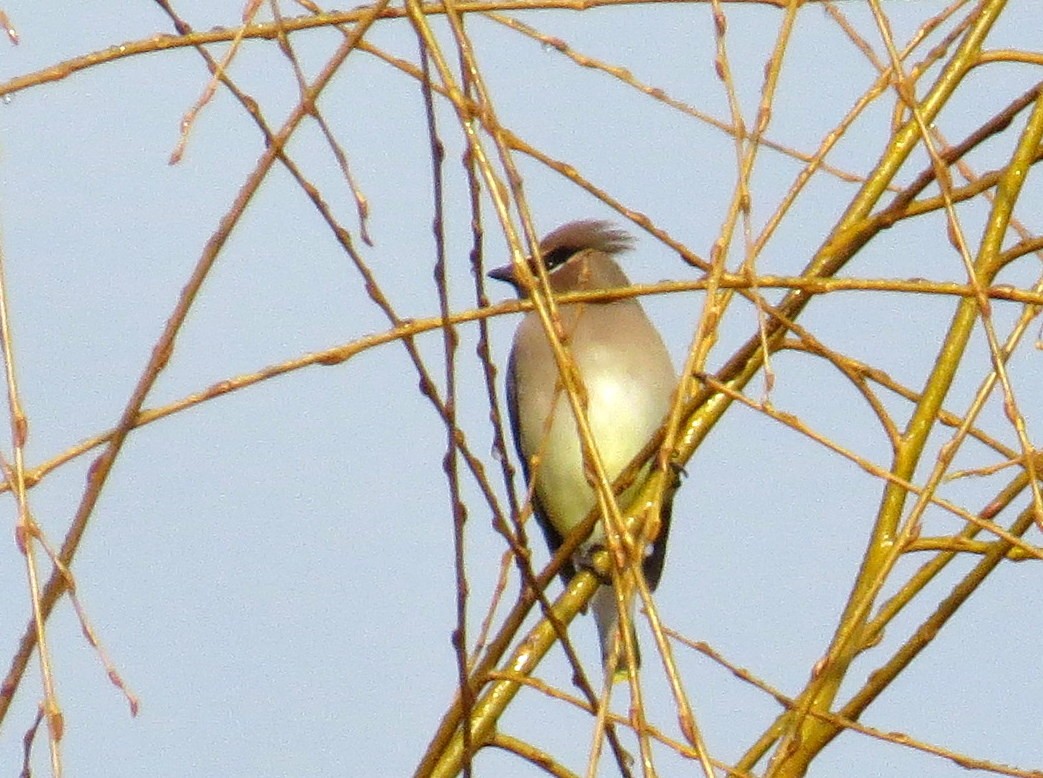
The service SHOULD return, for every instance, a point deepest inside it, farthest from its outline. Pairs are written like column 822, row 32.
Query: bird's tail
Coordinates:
column 606, row 614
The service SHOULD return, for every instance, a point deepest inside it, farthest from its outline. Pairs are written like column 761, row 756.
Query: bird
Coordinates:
column 629, row 380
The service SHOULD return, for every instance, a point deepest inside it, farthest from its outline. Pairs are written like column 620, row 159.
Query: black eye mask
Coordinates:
column 558, row 256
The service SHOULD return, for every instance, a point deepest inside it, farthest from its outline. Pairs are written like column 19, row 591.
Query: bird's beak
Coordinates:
column 505, row 274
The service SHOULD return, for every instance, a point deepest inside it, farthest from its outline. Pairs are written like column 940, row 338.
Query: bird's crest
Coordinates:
column 570, row 238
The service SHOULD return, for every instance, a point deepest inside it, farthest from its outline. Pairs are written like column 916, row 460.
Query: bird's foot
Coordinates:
column 584, row 560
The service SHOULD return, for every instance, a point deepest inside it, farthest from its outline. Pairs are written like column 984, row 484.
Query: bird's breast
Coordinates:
column 628, row 390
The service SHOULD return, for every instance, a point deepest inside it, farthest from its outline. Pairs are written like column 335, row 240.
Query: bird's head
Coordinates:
column 577, row 256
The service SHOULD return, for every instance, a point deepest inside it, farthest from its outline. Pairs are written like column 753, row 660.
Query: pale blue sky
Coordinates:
column 272, row 572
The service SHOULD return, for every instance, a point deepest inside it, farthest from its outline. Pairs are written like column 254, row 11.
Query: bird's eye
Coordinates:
column 557, row 256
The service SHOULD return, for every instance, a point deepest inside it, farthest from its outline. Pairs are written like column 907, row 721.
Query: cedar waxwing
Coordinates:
column 629, row 380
